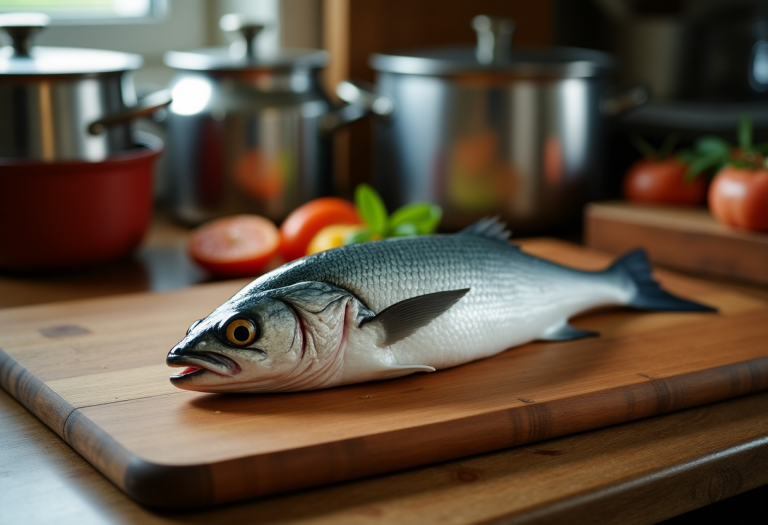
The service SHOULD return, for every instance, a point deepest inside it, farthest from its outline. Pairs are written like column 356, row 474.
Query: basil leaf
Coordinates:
column 423, row 215
column 702, row 164
column 687, row 156
column 745, row 133
column 414, row 213
column 357, row 236
column 405, row 229
column 435, row 214
column 371, row 209
column 712, row 145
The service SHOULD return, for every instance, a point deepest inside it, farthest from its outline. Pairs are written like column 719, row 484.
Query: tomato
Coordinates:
column 663, row 182
column 739, row 197
column 236, row 246
column 301, row 226
column 331, row 236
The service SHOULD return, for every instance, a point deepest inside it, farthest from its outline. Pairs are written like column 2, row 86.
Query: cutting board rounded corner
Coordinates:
column 168, row 486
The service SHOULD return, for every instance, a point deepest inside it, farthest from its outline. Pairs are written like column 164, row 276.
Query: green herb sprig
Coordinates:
column 710, row 153
column 419, row 218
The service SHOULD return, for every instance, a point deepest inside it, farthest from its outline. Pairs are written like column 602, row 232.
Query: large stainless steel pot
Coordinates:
column 494, row 130
column 62, row 103
column 248, row 133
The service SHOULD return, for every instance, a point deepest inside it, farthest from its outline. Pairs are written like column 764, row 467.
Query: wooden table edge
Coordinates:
column 194, row 486
column 618, row 503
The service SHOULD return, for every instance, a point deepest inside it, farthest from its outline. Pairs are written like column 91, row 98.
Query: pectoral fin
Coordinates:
column 565, row 332
column 403, row 319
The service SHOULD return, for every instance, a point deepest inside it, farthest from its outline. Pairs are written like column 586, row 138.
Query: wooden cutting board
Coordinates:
column 688, row 238
column 93, row 370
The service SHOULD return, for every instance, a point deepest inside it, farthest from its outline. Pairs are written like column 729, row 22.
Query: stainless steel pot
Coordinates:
column 248, row 133
column 494, row 130
column 63, row 103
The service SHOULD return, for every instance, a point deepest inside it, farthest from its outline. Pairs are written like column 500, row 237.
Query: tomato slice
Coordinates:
column 237, row 246
column 301, row 226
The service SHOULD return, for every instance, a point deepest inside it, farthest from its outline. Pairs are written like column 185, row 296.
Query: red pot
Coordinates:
column 70, row 213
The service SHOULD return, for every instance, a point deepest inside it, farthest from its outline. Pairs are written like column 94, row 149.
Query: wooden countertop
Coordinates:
column 639, row 472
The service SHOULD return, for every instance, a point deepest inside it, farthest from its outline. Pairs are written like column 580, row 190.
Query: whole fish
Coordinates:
column 389, row 308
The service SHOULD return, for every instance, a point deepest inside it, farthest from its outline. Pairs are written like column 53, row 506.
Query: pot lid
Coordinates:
column 222, row 59
column 21, row 58
column 241, row 55
column 493, row 54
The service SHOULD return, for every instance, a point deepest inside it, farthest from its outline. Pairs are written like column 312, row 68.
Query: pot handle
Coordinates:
column 625, row 99
column 145, row 107
column 362, row 100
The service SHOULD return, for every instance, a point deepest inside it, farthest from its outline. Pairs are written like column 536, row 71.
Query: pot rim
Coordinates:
column 146, row 146
column 219, row 59
column 523, row 62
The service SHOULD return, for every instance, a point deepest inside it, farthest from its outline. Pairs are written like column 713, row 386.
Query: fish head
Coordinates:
column 285, row 339
column 240, row 344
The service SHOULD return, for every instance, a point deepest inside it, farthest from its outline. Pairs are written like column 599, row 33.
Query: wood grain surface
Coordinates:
column 93, row 371
column 635, row 473
column 687, row 238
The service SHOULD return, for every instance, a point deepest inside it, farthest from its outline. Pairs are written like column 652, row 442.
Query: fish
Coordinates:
column 389, row 308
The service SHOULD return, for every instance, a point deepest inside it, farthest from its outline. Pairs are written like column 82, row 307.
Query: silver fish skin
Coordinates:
column 389, row 308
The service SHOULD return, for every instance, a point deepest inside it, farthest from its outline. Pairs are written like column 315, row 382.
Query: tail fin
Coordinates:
column 649, row 295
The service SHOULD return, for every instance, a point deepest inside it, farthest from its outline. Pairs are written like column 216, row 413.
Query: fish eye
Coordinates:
column 241, row 332
column 193, row 325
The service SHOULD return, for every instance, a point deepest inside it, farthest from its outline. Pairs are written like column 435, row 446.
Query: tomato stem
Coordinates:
column 645, row 149
column 669, row 144
column 648, row 151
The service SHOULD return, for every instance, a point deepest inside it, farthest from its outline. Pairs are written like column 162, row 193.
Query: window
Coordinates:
column 90, row 11
column 166, row 25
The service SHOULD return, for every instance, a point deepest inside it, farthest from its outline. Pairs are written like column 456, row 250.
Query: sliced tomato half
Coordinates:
column 238, row 246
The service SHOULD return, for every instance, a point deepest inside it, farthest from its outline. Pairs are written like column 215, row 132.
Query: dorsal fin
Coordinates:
column 490, row 228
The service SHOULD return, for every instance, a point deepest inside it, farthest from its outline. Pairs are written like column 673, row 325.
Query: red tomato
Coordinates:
column 236, row 246
column 300, row 227
column 663, row 182
column 739, row 197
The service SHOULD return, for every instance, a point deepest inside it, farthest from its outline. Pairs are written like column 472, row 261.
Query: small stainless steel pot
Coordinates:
column 248, row 133
column 494, row 130
column 62, row 103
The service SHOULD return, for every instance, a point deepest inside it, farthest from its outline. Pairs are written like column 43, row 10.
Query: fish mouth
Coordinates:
column 199, row 363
